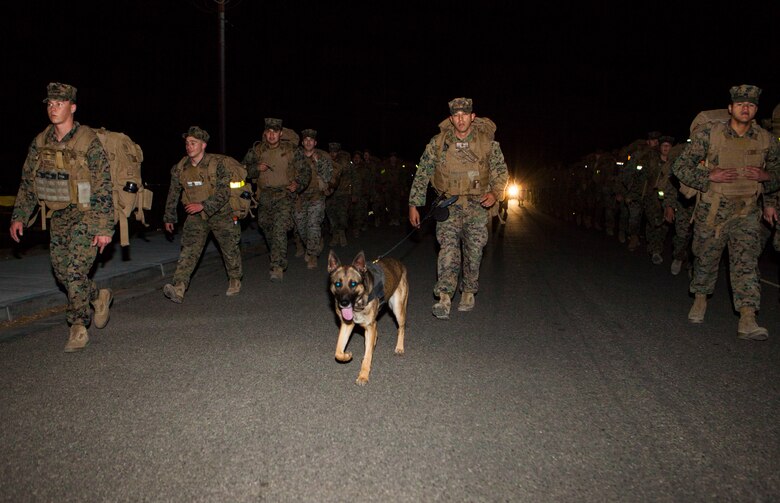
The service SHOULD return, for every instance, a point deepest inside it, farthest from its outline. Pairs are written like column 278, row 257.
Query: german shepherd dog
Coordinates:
column 359, row 291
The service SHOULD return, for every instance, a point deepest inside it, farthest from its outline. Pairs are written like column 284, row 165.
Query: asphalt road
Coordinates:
column 576, row 378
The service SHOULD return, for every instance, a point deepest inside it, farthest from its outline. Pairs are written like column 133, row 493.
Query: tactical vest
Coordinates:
column 62, row 174
column 197, row 183
column 282, row 171
column 463, row 167
column 343, row 171
column 734, row 152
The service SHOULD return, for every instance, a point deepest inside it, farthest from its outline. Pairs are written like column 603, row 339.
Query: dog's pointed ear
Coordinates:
column 333, row 262
column 360, row 261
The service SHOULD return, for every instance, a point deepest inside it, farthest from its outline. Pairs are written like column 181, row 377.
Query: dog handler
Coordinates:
column 462, row 160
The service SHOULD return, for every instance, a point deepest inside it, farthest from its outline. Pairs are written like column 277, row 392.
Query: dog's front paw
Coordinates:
column 344, row 357
column 399, row 351
column 362, row 380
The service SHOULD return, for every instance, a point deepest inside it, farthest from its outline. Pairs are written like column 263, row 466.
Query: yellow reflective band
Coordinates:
column 237, row 185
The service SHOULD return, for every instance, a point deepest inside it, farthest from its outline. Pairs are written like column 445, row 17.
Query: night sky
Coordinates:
column 559, row 81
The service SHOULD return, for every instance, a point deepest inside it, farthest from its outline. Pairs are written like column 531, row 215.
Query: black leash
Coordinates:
column 439, row 202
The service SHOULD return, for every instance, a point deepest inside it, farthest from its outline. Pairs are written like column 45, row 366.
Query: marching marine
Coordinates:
column 310, row 204
column 740, row 160
column 68, row 174
column 463, row 160
column 281, row 173
column 202, row 180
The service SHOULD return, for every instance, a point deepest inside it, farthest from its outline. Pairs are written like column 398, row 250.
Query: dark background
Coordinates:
column 559, row 81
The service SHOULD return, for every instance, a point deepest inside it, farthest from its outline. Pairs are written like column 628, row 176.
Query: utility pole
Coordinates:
column 221, row 98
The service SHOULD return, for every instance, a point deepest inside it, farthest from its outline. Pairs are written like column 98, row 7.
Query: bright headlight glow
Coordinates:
column 513, row 191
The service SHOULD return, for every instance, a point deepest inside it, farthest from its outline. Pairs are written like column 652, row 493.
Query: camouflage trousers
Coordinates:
column 466, row 228
column 72, row 256
column 309, row 215
column 275, row 216
column 194, row 234
column 741, row 235
column 611, row 208
column 337, row 210
column 682, row 232
column 656, row 228
column 635, row 211
column 358, row 213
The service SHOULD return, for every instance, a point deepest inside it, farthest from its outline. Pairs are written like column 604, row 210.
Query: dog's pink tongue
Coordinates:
column 346, row 313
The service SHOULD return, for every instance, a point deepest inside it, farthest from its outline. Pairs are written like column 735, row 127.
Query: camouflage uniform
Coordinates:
column 275, row 203
column 216, row 217
column 467, row 223
column 72, row 229
column 656, row 228
column 310, row 204
column 639, row 168
column 772, row 201
column 683, row 212
column 338, row 203
column 735, row 222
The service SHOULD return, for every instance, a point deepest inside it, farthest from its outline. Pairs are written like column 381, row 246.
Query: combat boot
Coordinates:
column 311, row 261
column 101, row 305
column 277, row 274
column 335, row 238
column 748, row 328
column 696, row 314
column 633, row 242
column 234, row 286
column 676, row 267
column 175, row 292
column 343, row 238
column 466, row 301
column 442, row 308
column 621, row 237
column 78, row 339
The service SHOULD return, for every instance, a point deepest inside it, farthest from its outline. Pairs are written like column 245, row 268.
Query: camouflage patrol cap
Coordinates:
column 461, row 105
column 198, row 133
column 275, row 124
column 745, row 92
column 309, row 133
column 653, row 135
column 334, row 147
column 666, row 139
column 60, row 92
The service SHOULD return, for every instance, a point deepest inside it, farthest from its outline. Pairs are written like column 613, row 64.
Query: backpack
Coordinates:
column 129, row 194
column 241, row 199
column 706, row 116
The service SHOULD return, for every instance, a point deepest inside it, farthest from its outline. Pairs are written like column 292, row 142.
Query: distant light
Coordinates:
column 639, row 167
column 513, row 191
column 619, row 163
